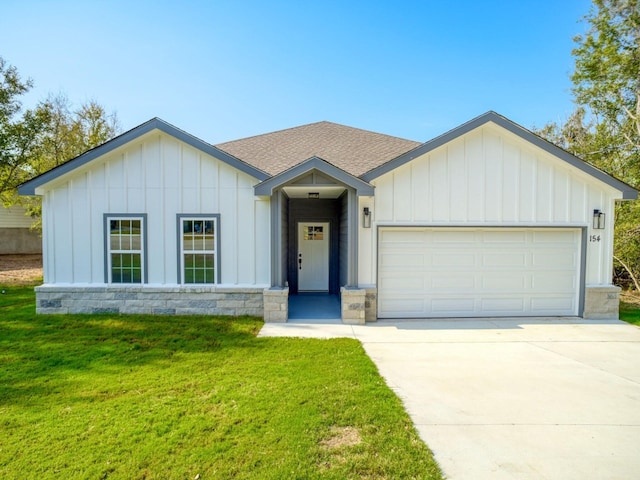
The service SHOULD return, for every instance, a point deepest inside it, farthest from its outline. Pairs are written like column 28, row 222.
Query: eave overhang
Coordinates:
column 627, row 192
column 29, row 188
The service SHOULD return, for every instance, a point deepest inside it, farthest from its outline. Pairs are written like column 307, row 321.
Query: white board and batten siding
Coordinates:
column 490, row 177
column 162, row 177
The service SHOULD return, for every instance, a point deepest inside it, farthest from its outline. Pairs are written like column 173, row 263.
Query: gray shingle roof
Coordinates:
column 353, row 150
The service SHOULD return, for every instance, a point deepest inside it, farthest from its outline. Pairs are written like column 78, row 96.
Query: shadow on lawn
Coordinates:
column 40, row 354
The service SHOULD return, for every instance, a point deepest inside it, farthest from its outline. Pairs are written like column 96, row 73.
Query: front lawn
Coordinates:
column 135, row 397
column 630, row 309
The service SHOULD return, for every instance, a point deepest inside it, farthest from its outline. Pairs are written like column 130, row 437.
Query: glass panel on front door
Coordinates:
column 314, row 233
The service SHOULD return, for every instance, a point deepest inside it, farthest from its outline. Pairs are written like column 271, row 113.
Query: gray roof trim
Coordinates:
column 29, row 187
column 314, row 163
column 628, row 192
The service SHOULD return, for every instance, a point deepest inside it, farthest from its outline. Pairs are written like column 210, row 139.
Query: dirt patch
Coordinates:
column 342, row 437
column 20, row 269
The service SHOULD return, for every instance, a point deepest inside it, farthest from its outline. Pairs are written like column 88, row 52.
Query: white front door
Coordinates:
column 313, row 256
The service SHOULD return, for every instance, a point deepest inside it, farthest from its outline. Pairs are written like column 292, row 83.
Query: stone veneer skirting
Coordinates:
column 276, row 305
column 602, row 302
column 358, row 305
column 210, row 300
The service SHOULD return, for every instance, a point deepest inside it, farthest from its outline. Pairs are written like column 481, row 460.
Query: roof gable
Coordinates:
column 628, row 192
column 312, row 164
column 351, row 149
column 29, row 188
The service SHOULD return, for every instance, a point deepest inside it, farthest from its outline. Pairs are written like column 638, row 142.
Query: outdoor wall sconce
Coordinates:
column 598, row 220
column 314, row 195
column 366, row 218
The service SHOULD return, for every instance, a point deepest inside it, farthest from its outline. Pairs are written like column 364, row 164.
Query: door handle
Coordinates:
column 300, row 261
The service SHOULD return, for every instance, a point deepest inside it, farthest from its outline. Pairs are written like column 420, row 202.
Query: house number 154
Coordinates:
column 594, row 238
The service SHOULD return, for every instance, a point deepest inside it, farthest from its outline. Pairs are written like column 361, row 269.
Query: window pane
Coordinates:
column 126, row 276
column 125, row 245
column 126, row 268
column 188, row 276
column 198, row 247
column 136, row 275
column 199, row 268
column 125, row 260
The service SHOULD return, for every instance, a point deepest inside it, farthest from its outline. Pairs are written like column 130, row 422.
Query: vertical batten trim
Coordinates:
column 125, row 193
column 88, row 198
column 163, row 207
column 70, row 232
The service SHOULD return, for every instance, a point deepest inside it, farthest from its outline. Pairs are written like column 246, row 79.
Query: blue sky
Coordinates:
column 226, row 69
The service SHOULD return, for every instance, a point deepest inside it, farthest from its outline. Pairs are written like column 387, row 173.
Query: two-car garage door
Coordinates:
column 478, row 272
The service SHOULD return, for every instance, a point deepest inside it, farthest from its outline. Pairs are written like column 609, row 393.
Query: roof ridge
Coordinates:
column 271, row 133
column 376, row 133
column 326, row 122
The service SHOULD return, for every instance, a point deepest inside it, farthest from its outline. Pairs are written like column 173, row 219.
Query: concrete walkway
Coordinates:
column 511, row 398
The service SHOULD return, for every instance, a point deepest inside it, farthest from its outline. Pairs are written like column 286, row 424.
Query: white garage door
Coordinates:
column 473, row 272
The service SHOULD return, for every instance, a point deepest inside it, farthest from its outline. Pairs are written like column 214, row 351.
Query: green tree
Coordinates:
column 21, row 133
column 35, row 141
column 604, row 129
column 607, row 81
column 66, row 134
column 69, row 133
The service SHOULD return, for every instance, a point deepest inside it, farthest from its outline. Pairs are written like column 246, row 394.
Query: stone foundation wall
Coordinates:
column 209, row 300
column 276, row 305
column 352, row 305
column 602, row 302
column 371, row 305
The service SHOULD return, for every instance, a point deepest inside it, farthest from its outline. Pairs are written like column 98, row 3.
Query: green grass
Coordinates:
column 143, row 397
column 630, row 312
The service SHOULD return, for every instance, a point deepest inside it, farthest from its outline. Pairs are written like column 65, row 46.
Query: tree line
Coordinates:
column 35, row 140
column 604, row 128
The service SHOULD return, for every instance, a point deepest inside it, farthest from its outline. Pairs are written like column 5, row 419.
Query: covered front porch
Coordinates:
column 315, row 220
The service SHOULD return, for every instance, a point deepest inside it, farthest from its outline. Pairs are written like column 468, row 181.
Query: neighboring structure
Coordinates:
column 16, row 236
column 485, row 220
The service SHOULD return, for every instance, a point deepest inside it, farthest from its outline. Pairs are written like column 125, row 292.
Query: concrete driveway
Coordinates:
column 511, row 398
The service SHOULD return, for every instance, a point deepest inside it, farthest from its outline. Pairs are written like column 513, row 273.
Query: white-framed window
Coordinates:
column 199, row 242
column 125, row 248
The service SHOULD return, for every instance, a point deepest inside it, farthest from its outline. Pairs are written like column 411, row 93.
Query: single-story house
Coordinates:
column 16, row 235
column 487, row 219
